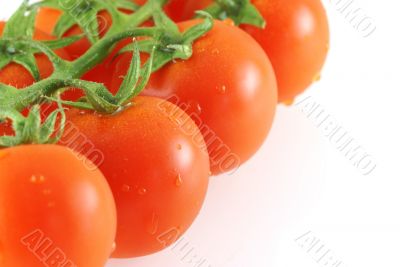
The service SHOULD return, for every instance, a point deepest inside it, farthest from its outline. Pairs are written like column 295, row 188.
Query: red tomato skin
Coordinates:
column 46, row 189
column 297, row 41
column 158, row 173
column 228, row 86
column 191, row 7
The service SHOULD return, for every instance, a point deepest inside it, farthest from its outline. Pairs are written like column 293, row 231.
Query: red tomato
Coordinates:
column 17, row 76
column 228, row 87
column 157, row 171
column 46, row 19
column 54, row 209
column 297, row 41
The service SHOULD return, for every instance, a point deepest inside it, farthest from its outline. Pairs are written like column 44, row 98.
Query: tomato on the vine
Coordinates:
column 46, row 21
column 157, row 170
column 55, row 210
column 228, row 87
column 296, row 39
column 19, row 77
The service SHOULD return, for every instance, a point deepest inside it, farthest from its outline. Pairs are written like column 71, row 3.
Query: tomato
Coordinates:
column 228, row 87
column 55, row 210
column 157, row 171
column 296, row 40
column 17, row 76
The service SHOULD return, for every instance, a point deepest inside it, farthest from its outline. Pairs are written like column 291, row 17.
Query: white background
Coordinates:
column 299, row 182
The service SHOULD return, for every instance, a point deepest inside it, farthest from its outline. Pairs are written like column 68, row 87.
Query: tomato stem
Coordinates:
column 164, row 43
column 240, row 11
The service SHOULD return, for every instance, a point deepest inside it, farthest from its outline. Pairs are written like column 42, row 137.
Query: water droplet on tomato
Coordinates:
column 126, row 188
column 195, row 107
column 113, row 247
column 82, row 112
column 46, row 192
column 198, row 108
column 215, row 51
column 317, row 77
column 142, row 191
column 178, row 180
column 37, row 179
column 152, row 226
column 222, row 89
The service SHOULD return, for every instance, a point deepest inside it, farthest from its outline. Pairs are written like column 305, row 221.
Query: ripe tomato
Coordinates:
column 54, row 210
column 157, row 171
column 296, row 39
column 17, row 76
column 228, row 87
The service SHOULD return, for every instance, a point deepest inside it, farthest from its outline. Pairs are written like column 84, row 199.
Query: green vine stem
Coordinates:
column 240, row 11
column 163, row 42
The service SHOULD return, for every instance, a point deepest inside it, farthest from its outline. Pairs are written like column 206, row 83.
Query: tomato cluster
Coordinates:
column 129, row 184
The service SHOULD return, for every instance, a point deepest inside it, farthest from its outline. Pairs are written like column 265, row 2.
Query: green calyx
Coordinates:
column 240, row 11
column 30, row 129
